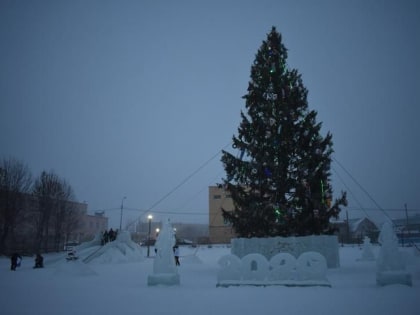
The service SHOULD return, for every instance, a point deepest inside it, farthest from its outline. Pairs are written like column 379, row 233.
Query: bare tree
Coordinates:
column 72, row 220
column 47, row 190
column 15, row 182
column 63, row 215
column 57, row 214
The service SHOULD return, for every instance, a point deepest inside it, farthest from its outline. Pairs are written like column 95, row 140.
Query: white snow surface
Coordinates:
column 110, row 285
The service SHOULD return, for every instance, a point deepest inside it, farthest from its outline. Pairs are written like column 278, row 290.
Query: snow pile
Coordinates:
column 114, row 255
column 122, row 250
column 95, row 242
column 191, row 259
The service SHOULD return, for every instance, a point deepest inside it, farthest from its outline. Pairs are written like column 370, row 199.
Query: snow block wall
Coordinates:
column 326, row 245
column 282, row 269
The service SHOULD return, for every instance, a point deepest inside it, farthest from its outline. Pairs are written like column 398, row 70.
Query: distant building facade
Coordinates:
column 220, row 231
column 89, row 226
column 408, row 229
column 355, row 230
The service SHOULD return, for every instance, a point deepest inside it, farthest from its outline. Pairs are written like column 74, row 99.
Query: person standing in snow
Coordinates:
column 14, row 261
column 176, row 254
column 104, row 238
column 39, row 261
column 111, row 235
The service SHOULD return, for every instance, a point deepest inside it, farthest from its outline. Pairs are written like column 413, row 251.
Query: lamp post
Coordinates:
column 149, row 217
column 406, row 224
column 122, row 207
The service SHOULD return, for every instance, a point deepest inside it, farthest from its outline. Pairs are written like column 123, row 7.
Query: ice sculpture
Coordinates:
column 282, row 269
column 311, row 266
column 390, row 265
column 367, row 253
column 230, row 268
column 326, row 245
column 164, row 270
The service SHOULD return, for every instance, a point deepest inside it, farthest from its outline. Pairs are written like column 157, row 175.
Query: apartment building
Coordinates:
column 89, row 226
column 220, row 231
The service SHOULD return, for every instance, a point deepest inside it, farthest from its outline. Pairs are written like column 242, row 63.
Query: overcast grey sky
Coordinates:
column 128, row 98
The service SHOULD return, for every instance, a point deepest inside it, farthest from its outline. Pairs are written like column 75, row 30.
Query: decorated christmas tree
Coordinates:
column 279, row 176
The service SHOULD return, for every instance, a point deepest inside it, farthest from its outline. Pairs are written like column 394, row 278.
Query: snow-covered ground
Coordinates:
column 111, row 284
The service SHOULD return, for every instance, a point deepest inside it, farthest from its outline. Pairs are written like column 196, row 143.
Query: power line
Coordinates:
column 363, row 189
column 187, row 178
column 387, row 209
column 349, row 190
column 199, row 192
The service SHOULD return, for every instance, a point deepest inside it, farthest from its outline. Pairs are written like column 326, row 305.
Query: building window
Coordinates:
column 217, row 196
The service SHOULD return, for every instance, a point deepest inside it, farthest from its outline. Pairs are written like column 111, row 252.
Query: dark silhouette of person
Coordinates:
column 39, row 261
column 111, row 235
column 14, row 261
column 105, row 237
column 176, row 254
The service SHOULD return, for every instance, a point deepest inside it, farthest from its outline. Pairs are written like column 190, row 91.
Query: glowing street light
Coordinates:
column 122, row 207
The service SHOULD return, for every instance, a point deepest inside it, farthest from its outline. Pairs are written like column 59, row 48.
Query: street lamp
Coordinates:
column 122, row 207
column 149, row 217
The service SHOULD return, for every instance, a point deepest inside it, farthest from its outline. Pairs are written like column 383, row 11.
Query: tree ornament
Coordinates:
column 277, row 211
column 267, row 172
column 273, row 67
column 272, row 121
column 329, row 203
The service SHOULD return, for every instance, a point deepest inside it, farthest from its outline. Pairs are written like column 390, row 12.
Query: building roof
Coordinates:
column 412, row 220
column 354, row 223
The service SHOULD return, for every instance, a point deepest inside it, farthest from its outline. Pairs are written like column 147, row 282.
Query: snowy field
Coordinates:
column 111, row 285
